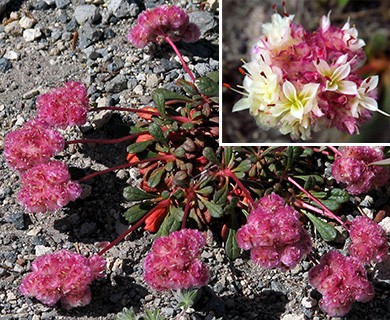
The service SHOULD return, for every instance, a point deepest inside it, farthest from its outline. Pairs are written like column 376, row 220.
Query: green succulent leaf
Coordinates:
column 135, row 194
column 136, row 212
column 210, row 155
column 187, row 87
column 126, row 314
column 207, row 86
column 384, row 162
column 332, row 199
column 215, row 210
column 327, row 232
column 139, row 146
column 310, row 183
column 220, row 196
column 155, row 177
column 171, row 222
column 244, row 166
column 161, row 95
column 231, row 246
column 214, row 75
column 293, row 152
column 206, row 190
column 228, row 155
column 317, row 178
column 157, row 133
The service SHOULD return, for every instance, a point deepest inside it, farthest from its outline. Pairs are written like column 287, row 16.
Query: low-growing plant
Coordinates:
column 264, row 199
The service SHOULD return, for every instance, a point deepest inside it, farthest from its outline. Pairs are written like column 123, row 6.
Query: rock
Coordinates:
column 117, row 84
column 204, row 20
column 86, row 12
column 50, row 2
column 32, row 93
column 31, row 35
column 88, row 35
column 41, row 5
column 293, row 317
column 123, row 8
column 308, row 302
column 13, row 28
column 5, row 64
column 26, row 22
column 71, row 25
column 41, row 250
column 91, row 53
column 149, row 4
column 11, row 55
column 101, row 118
column 62, row 4
column 202, row 69
column 17, row 219
column 87, row 229
column 382, row 271
column 116, row 65
column 151, row 80
column 385, row 224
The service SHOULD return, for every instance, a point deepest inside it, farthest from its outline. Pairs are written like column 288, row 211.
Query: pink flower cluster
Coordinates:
column 155, row 25
column 47, row 187
column 174, row 261
column 32, row 144
column 341, row 281
column 65, row 106
column 46, row 184
column 274, row 234
column 368, row 240
column 300, row 81
column 63, row 276
column 354, row 170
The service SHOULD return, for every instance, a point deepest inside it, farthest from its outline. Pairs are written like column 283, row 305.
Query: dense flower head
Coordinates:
column 299, row 81
column 63, row 276
column 154, row 25
column 32, row 144
column 274, row 234
column 174, row 261
column 353, row 169
column 48, row 187
column 341, row 280
column 368, row 240
column 65, row 106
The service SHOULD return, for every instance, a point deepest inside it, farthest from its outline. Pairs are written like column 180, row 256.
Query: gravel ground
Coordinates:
column 117, row 74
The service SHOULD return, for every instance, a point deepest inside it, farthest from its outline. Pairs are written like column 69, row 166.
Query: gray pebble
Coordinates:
column 149, row 4
column 17, row 219
column 41, row 5
column 5, row 64
column 122, row 8
column 204, row 20
column 87, row 229
column 117, row 84
column 71, row 25
column 88, row 35
column 86, row 12
column 62, row 4
column 116, row 65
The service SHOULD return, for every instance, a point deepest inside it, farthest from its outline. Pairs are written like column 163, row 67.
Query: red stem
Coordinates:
column 162, row 204
column 326, row 210
column 335, row 150
column 187, row 209
column 185, row 66
column 231, row 174
column 126, row 165
column 105, row 141
column 304, row 205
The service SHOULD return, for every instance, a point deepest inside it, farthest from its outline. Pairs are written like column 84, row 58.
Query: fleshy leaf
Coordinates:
column 327, row 232
column 135, row 194
column 210, row 155
column 157, row 133
column 231, row 245
column 139, row 146
column 155, row 177
column 207, row 86
column 136, row 212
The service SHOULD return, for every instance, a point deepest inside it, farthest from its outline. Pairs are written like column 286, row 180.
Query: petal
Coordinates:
column 297, row 110
column 347, row 87
column 369, row 103
column 242, row 104
column 371, row 84
column 323, row 68
column 289, row 91
column 309, row 91
column 341, row 72
column 342, row 59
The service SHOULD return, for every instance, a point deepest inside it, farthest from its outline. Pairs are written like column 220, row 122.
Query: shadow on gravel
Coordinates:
column 108, row 298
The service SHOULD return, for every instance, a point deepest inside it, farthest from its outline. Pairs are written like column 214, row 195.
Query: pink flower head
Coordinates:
column 274, row 234
column 47, row 187
column 300, row 81
column 368, row 240
column 64, row 106
column 154, row 25
column 63, row 276
column 32, row 144
column 353, row 169
column 341, row 281
column 174, row 261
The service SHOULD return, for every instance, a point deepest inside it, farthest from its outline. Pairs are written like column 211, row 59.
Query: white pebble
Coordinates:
column 11, row 55
column 41, row 250
column 26, row 22
column 385, row 224
column 30, row 35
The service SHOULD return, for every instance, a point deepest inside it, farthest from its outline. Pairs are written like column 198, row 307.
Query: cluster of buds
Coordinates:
column 174, row 261
column 299, row 80
column 155, row 25
column 341, row 280
column 368, row 240
column 352, row 168
column 46, row 184
column 274, row 234
column 63, row 276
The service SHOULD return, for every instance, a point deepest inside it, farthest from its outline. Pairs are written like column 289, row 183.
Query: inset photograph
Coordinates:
column 305, row 71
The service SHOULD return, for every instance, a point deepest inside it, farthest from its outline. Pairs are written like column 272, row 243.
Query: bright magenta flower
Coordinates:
column 353, row 169
column 368, row 240
column 174, row 261
column 274, row 234
column 32, row 144
column 63, row 276
column 47, row 187
column 64, row 106
column 341, row 281
column 154, row 25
